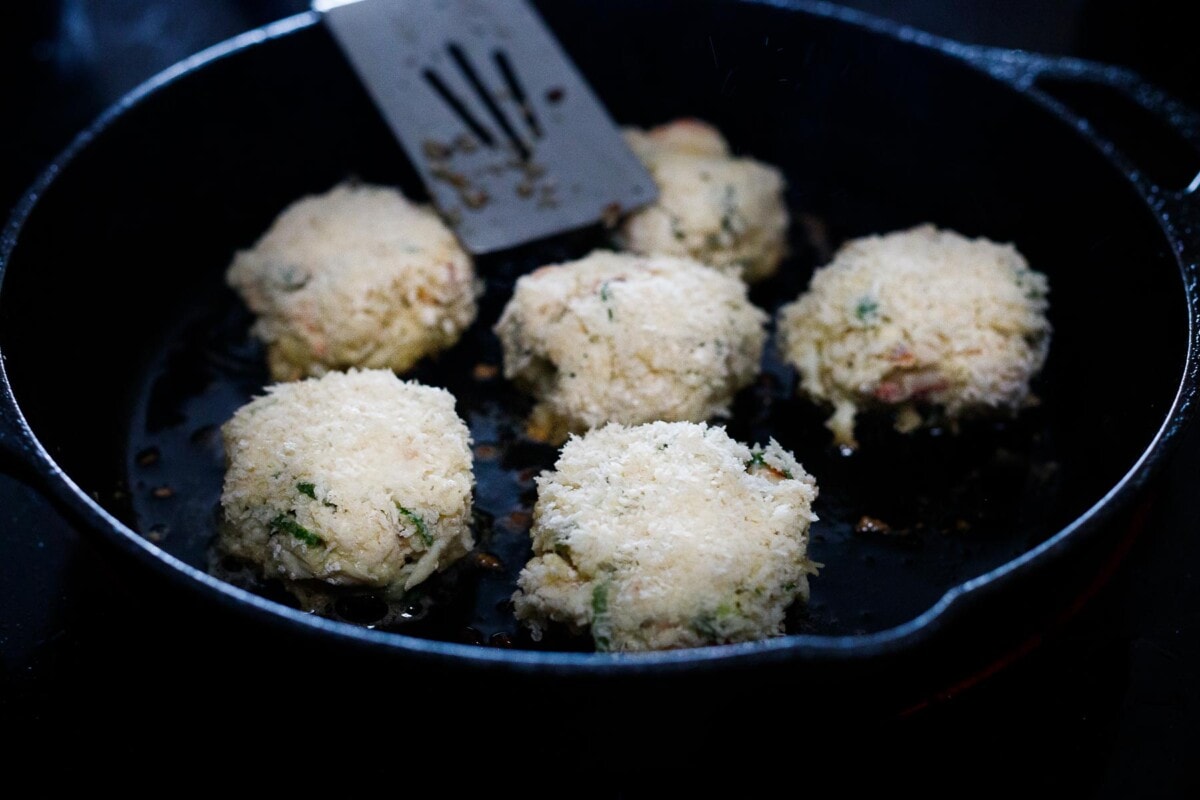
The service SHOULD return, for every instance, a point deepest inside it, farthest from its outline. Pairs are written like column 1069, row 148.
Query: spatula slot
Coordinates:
column 461, row 60
column 456, row 105
column 518, row 91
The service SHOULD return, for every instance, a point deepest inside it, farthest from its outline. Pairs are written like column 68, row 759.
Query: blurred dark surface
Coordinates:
column 92, row 661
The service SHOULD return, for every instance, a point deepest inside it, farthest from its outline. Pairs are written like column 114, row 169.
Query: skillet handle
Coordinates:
column 1178, row 209
column 1024, row 71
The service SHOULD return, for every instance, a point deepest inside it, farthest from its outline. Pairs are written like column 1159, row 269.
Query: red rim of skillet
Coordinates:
column 1177, row 214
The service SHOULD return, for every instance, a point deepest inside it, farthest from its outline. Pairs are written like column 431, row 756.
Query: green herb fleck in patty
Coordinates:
column 285, row 524
column 867, row 309
column 416, row 520
column 600, row 621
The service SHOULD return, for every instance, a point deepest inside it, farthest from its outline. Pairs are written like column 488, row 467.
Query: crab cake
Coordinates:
column 919, row 318
column 723, row 211
column 616, row 337
column 665, row 536
column 357, row 277
column 354, row 479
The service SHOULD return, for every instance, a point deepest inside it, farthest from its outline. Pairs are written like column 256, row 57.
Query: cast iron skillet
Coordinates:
column 120, row 248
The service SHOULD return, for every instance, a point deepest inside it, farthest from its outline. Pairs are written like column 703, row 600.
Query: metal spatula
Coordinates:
column 511, row 142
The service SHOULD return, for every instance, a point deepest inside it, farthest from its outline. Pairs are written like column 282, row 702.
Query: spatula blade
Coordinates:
column 511, row 142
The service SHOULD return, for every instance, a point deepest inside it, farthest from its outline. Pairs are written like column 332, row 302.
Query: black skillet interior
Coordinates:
column 128, row 247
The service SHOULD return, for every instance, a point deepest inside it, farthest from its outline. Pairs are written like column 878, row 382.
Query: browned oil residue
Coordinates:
column 435, row 150
column 867, row 525
column 475, row 198
column 487, row 561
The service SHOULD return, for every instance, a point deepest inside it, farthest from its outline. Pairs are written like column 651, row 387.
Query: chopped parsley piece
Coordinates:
column 867, row 309
column 705, row 625
column 605, row 297
column 600, row 616
column 729, row 209
column 757, row 460
column 711, row 624
column 676, row 230
column 1031, row 292
column 294, row 278
column 288, row 525
column 416, row 520
column 310, row 490
column 600, row 600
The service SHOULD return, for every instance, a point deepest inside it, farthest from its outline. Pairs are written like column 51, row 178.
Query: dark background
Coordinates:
column 92, row 663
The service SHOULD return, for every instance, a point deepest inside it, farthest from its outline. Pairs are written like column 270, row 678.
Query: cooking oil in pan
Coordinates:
column 902, row 520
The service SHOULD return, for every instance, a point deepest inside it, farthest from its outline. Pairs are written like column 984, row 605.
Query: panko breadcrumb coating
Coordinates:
column 353, row 479
column 667, row 535
column 723, row 211
column 616, row 337
column 356, row 277
column 919, row 316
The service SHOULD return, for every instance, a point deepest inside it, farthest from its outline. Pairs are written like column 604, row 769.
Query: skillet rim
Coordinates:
column 951, row 607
